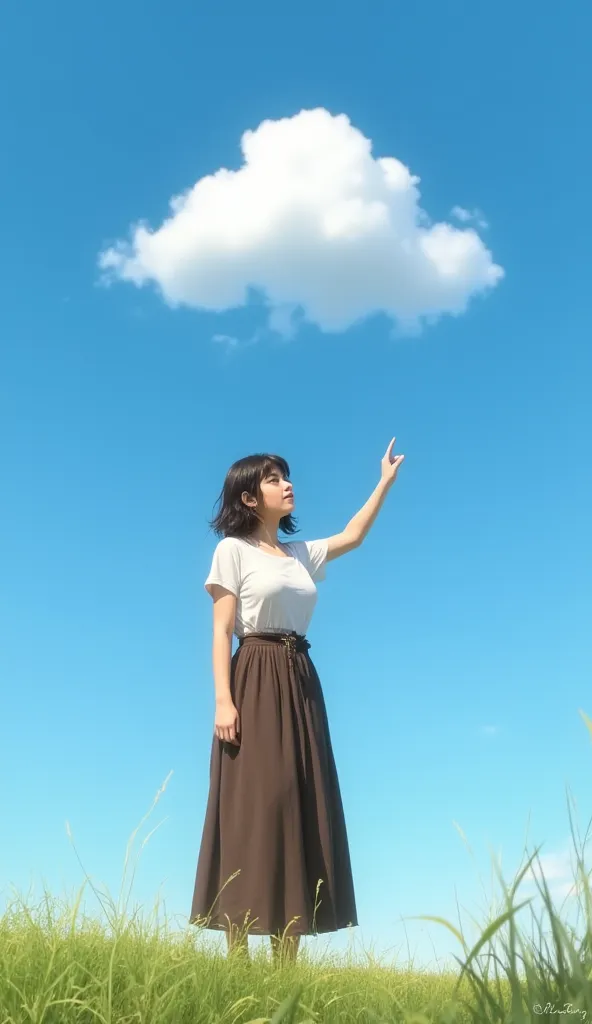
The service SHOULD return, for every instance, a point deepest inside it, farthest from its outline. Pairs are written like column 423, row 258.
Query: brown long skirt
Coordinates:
column 274, row 812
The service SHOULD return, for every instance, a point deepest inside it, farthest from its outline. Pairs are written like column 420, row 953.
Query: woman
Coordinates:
column 274, row 856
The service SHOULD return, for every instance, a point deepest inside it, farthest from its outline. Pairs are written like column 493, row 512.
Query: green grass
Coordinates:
column 59, row 966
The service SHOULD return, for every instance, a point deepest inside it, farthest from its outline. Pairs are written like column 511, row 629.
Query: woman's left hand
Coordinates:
column 390, row 466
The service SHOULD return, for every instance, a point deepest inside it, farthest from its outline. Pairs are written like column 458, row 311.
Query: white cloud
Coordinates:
column 469, row 215
column 461, row 214
column 316, row 224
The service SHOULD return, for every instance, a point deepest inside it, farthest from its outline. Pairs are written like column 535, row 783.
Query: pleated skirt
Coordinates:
column 274, row 853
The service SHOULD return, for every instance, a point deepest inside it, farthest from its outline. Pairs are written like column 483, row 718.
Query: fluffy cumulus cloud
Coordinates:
column 317, row 225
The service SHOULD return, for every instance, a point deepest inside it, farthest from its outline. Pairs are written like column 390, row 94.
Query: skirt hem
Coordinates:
column 218, row 927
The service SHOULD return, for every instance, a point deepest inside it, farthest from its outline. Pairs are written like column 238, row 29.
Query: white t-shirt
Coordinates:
column 274, row 594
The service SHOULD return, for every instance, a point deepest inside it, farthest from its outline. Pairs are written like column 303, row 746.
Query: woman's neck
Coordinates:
column 268, row 537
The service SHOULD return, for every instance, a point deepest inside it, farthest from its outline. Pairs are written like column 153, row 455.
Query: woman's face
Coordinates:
column 277, row 492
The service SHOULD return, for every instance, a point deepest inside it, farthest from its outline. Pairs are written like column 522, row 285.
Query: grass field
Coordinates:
column 59, row 967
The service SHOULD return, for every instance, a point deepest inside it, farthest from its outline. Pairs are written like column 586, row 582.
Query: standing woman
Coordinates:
column 274, row 857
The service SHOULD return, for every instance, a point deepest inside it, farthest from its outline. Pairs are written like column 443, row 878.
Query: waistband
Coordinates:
column 292, row 640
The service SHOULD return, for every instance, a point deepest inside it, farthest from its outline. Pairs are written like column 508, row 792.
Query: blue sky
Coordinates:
column 453, row 645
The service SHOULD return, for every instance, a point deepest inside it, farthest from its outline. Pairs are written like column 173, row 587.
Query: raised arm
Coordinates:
column 357, row 528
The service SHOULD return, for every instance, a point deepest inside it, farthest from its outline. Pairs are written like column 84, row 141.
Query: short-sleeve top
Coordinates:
column 274, row 594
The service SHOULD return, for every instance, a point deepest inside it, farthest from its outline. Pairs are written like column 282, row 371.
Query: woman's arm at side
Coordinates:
column 223, row 625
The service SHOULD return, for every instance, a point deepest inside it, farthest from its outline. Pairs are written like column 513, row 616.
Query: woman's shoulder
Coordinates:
column 298, row 549
column 230, row 545
column 298, row 545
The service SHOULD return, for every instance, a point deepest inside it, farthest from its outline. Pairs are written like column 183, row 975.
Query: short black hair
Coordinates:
column 234, row 518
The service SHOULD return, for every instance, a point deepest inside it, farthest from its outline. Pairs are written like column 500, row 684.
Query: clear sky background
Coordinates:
column 306, row 306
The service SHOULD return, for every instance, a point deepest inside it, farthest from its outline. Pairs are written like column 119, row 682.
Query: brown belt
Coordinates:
column 293, row 641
